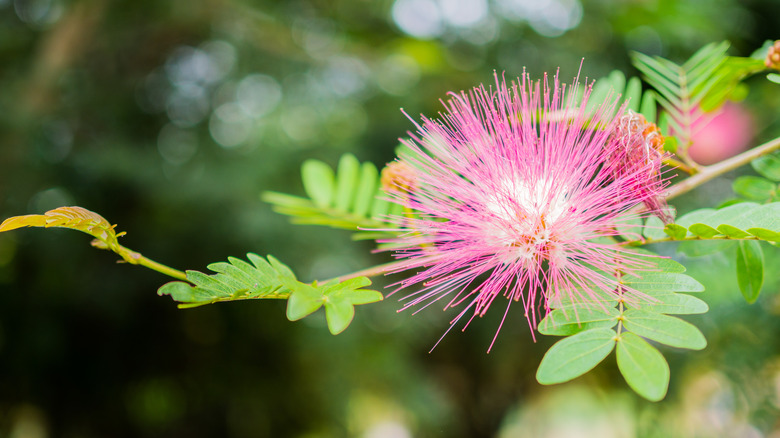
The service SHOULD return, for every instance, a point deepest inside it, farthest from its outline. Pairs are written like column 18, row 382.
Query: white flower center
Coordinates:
column 523, row 216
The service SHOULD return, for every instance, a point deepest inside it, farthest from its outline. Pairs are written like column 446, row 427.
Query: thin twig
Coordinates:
column 709, row 172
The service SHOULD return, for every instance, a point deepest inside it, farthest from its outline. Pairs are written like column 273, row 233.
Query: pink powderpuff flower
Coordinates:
column 510, row 192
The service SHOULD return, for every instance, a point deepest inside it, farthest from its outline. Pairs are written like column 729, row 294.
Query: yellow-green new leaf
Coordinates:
column 76, row 218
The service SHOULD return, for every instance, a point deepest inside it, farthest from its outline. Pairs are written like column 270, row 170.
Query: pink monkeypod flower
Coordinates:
column 772, row 59
column 511, row 198
column 640, row 147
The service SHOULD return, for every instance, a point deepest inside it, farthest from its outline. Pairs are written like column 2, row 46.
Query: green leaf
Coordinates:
column 654, row 227
column 665, row 329
column 339, row 312
column 584, row 297
column 633, row 93
column 304, row 301
column 743, row 220
column 773, row 77
column 650, row 282
column 346, row 182
column 733, row 232
column 750, row 269
column 319, row 182
column 178, row 290
column 643, row 366
column 768, row 166
column 671, row 143
column 694, row 217
column 576, row 355
column 565, row 322
column 675, row 231
column 703, row 230
column 367, row 186
column 764, row 234
column 674, row 304
column 754, row 188
column 648, row 106
column 381, row 205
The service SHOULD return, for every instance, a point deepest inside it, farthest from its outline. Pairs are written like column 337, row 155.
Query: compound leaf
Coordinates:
column 270, row 278
column 350, row 198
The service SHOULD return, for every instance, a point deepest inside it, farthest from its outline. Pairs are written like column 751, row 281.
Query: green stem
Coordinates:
column 671, row 162
column 648, row 241
column 368, row 272
column 136, row 258
column 621, row 308
column 709, row 172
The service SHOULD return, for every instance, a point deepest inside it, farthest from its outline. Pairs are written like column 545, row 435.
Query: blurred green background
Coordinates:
column 170, row 117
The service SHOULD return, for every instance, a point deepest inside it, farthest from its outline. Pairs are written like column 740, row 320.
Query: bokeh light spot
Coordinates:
column 177, row 146
column 418, row 18
column 258, row 95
